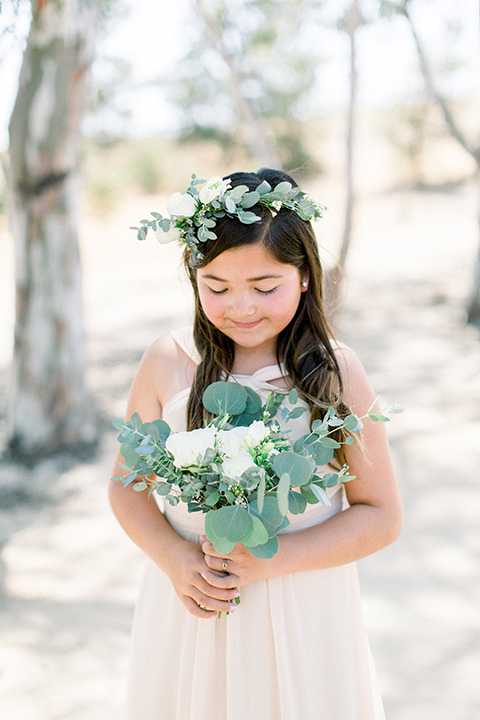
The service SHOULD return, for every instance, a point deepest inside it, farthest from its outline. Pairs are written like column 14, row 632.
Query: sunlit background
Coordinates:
column 161, row 106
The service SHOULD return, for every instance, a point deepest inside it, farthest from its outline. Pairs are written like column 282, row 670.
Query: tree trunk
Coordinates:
column 353, row 21
column 260, row 145
column 49, row 408
column 473, row 305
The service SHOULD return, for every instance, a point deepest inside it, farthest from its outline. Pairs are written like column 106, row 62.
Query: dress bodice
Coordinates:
column 174, row 413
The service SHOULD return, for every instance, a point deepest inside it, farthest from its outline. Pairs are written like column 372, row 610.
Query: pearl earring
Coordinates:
column 304, row 284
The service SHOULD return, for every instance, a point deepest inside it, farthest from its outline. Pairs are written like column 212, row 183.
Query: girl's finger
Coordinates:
column 225, row 580
column 207, row 603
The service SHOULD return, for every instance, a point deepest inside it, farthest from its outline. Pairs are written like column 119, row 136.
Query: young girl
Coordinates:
column 295, row 647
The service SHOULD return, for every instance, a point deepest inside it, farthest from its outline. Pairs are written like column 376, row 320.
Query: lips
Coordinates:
column 246, row 326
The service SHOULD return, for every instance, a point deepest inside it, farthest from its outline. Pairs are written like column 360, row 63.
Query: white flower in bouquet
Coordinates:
column 186, row 447
column 172, row 235
column 182, row 205
column 234, row 466
column 213, row 188
column 230, row 442
column 256, row 432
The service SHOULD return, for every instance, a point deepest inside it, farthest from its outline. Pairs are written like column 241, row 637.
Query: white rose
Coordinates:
column 213, row 188
column 187, row 446
column 166, row 237
column 233, row 467
column 230, row 441
column 182, row 205
column 257, row 432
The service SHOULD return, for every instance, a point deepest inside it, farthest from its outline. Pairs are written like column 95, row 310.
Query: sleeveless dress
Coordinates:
column 295, row 649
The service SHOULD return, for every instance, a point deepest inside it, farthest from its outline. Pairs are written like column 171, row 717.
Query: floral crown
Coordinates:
column 194, row 214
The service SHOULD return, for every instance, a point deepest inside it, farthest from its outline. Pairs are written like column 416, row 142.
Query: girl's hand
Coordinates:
column 200, row 597
column 242, row 567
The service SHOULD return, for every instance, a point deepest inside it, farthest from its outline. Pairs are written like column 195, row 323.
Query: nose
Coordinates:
column 241, row 306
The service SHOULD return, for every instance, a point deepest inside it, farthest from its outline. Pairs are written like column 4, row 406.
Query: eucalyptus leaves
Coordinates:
column 194, row 214
column 246, row 477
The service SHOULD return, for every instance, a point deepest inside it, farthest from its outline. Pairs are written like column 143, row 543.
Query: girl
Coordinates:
column 295, row 646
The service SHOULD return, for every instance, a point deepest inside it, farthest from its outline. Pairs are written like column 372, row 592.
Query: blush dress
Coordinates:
column 295, row 648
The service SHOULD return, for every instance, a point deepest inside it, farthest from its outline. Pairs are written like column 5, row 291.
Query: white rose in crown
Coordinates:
column 234, row 466
column 181, row 205
column 171, row 235
column 213, row 188
column 187, row 447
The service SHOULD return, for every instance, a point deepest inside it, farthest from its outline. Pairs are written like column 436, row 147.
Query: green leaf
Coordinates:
column 250, row 199
column 296, row 412
column 259, row 534
column 139, row 486
column 163, row 488
column 395, row 409
column 309, row 495
column 378, row 417
column 265, row 551
column 225, row 397
column 329, row 442
column 232, row 522
column 296, row 466
column 247, row 218
column 238, row 191
column 263, row 188
column 321, row 494
column 293, row 396
column 222, row 545
column 212, row 499
column 282, row 493
column 330, row 479
column 296, row 503
column 352, row 423
column 261, row 490
column 270, row 515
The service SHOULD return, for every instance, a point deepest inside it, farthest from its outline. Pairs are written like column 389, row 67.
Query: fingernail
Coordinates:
column 237, row 594
column 204, row 575
column 232, row 608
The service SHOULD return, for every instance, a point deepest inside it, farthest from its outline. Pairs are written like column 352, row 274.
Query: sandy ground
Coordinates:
column 68, row 574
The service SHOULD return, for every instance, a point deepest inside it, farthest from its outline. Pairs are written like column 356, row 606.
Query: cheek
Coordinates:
column 212, row 304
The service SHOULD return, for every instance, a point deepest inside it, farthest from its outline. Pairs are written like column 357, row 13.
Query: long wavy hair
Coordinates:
column 304, row 346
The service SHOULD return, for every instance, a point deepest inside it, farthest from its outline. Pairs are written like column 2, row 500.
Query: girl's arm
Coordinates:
column 140, row 516
column 373, row 520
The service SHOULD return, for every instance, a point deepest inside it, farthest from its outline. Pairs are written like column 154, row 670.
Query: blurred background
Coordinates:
column 109, row 107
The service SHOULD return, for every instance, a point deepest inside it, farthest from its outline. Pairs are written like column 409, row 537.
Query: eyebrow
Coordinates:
column 255, row 279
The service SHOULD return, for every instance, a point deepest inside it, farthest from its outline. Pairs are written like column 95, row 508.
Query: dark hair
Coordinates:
column 304, row 347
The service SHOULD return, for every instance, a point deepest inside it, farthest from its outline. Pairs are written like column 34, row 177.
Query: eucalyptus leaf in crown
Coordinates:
column 193, row 215
column 241, row 470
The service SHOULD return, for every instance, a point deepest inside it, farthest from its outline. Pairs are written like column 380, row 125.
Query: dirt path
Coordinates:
column 68, row 574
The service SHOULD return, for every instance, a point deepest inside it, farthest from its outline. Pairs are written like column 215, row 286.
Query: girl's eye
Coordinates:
column 217, row 292
column 267, row 292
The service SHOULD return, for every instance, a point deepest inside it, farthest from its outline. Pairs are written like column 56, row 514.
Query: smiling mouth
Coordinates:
column 246, row 326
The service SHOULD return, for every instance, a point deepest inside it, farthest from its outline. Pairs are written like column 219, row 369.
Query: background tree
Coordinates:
column 49, row 405
column 247, row 76
column 406, row 9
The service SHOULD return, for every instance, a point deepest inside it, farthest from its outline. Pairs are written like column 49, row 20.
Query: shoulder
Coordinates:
column 357, row 389
column 164, row 370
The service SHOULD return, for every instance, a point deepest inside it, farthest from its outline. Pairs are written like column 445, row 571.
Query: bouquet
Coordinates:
column 241, row 469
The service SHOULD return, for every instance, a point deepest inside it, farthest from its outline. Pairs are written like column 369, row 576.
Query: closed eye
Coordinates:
column 267, row 292
column 217, row 292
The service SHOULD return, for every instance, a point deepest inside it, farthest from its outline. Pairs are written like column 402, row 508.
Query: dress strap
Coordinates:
column 184, row 338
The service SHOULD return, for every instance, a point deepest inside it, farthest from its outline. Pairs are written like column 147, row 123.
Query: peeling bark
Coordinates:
column 49, row 407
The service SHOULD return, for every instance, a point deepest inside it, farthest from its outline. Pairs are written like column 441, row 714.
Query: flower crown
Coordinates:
column 194, row 214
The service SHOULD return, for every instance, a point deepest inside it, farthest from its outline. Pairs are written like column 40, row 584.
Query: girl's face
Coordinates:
column 250, row 296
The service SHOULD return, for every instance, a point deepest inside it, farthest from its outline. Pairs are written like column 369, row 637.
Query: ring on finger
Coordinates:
column 224, row 565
